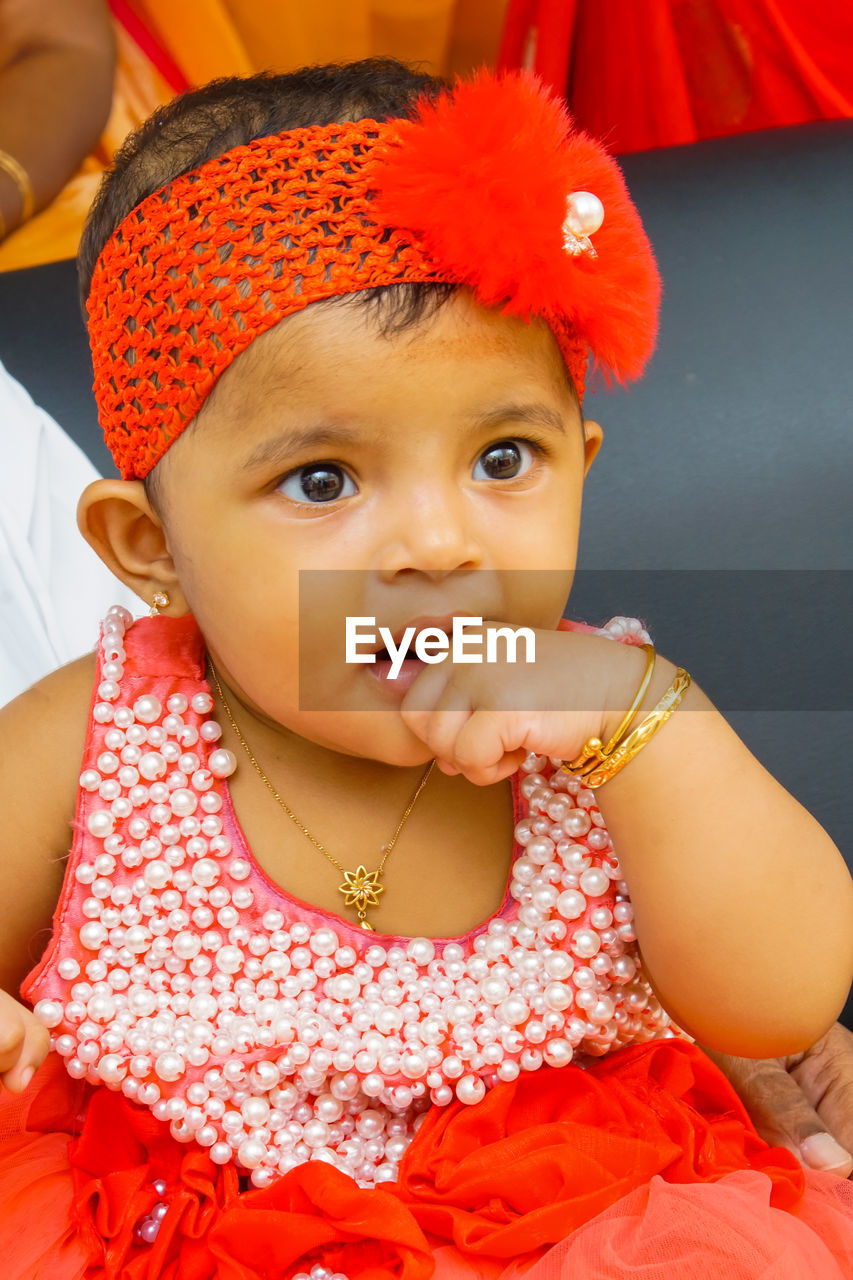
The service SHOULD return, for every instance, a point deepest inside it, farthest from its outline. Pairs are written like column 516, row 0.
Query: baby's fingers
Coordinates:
column 435, row 710
column 24, row 1043
column 486, row 750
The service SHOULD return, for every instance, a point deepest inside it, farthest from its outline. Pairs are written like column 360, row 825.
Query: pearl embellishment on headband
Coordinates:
column 584, row 216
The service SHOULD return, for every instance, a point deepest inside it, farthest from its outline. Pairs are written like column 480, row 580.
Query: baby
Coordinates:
column 340, row 324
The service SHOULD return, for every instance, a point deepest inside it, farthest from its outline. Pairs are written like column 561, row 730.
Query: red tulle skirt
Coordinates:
column 646, row 1164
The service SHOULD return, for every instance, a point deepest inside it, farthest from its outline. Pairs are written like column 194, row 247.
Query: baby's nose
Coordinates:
column 433, row 537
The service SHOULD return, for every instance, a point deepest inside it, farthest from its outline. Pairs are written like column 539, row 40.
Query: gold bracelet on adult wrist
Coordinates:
column 21, row 179
column 596, row 765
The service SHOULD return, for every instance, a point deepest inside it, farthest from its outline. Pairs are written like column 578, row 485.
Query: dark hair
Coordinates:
column 232, row 111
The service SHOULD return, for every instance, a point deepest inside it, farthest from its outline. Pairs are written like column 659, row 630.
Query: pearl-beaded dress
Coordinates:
column 270, row 1032
column 215, row 1041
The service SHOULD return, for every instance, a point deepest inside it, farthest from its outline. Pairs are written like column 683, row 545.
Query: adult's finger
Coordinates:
column 783, row 1114
column 24, row 1043
column 824, row 1073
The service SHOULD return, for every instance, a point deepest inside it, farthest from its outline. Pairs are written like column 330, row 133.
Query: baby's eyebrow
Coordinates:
column 295, row 438
column 282, row 446
column 540, row 414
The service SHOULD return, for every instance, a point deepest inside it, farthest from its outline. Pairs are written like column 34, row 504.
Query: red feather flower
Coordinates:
column 482, row 176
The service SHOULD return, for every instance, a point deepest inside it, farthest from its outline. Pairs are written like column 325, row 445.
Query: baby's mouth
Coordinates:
column 407, row 671
column 384, row 660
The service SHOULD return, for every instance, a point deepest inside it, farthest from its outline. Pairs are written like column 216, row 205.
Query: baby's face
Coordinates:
column 405, row 472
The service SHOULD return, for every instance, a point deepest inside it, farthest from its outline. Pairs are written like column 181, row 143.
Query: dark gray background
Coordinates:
column 719, row 508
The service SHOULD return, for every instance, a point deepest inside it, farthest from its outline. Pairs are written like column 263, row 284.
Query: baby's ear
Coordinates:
column 593, row 434
column 118, row 521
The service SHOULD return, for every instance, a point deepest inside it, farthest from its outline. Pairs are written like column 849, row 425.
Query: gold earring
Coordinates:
column 161, row 601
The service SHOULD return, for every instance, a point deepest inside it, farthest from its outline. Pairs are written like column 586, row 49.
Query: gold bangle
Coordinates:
column 21, row 179
column 592, row 753
column 645, row 731
column 632, row 710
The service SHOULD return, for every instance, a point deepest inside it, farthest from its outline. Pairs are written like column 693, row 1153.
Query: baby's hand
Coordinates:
column 24, row 1043
column 482, row 719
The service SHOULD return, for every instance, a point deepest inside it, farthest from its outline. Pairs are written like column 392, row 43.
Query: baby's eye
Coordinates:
column 505, row 459
column 318, row 482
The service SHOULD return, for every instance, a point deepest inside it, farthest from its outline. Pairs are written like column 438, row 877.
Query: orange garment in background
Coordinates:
column 637, row 73
column 164, row 47
column 654, row 73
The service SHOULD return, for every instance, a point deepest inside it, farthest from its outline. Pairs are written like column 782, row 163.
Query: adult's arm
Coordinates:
column 57, row 59
column 803, row 1102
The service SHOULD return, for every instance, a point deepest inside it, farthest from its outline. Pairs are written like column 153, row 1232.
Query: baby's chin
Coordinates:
column 381, row 736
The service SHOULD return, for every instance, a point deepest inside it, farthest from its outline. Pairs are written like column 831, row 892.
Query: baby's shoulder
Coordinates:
column 53, row 708
column 42, row 740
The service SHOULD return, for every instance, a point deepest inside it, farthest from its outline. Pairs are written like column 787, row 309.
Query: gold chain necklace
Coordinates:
column 361, row 888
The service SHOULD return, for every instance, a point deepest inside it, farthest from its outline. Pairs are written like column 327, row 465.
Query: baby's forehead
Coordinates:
column 335, row 377
column 349, row 345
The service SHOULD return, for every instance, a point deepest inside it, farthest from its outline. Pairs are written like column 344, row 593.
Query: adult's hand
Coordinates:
column 57, row 59
column 804, row 1102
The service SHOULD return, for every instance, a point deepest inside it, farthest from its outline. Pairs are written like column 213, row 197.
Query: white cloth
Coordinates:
column 53, row 588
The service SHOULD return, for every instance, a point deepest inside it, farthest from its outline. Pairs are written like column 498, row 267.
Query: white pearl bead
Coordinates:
column 157, row 874
column 558, row 1053
column 571, row 904
column 186, row 945
column 594, row 882
column 48, row 1012
column 183, row 802
column 584, row 213
column 255, row 1111
column 558, row 996
column 101, row 823
column 470, row 1090
column 205, row 872
column 513, row 1011
column 585, row 943
column 324, row 942
column 222, row 763
column 229, row 959
column 421, row 951
column 152, row 765
column 413, row 1065
column 315, row 1133
column 169, row 1066
column 101, row 1007
column 112, row 1068
column 93, row 935
column 147, row 709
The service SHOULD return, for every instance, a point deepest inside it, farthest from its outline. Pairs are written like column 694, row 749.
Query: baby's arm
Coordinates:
column 743, row 904
column 42, row 735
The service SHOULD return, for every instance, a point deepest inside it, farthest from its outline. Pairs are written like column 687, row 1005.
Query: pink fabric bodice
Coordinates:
column 269, row 1031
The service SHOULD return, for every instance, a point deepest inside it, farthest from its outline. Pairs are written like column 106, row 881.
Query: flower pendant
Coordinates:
column 361, row 889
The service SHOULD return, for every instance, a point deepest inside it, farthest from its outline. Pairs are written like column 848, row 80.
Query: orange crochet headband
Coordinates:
column 490, row 187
